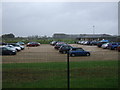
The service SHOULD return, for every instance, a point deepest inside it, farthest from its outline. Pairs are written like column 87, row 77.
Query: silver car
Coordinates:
column 105, row 45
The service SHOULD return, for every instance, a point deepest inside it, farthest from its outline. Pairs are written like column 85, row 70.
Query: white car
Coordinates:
column 105, row 45
column 12, row 47
column 18, row 48
column 22, row 47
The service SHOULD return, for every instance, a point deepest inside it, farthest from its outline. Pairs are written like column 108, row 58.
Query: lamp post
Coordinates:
column 93, row 29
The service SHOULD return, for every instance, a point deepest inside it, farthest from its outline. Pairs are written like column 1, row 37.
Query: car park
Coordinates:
column 78, row 52
column 4, row 50
column 64, row 48
column 33, row 44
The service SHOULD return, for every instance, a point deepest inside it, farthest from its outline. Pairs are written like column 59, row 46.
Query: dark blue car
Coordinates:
column 78, row 52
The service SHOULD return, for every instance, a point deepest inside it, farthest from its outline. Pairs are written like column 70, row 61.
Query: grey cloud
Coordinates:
column 25, row 19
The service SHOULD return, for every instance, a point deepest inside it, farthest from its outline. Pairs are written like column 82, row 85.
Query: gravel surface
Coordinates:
column 47, row 53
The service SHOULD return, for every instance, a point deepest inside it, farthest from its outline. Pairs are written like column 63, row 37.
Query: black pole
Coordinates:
column 68, row 71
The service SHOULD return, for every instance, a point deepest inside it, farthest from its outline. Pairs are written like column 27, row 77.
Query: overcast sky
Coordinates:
column 47, row 18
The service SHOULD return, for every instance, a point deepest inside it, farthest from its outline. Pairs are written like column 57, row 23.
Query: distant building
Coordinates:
column 65, row 36
column 83, row 36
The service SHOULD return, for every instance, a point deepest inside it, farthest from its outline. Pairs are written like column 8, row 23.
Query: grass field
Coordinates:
column 84, row 74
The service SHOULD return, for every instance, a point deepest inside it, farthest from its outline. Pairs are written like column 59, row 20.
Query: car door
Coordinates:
column 80, row 52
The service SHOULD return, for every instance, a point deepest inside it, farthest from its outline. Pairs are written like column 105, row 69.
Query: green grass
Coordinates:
column 86, row 74
column 42, row 41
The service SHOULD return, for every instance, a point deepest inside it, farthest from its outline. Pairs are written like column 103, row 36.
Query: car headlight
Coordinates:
column 13, row 51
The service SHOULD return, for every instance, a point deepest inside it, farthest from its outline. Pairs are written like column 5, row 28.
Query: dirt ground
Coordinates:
column 47, row 53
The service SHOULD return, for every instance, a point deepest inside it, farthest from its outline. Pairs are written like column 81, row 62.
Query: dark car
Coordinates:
column 93, row 42
column 3, row 43
column 78, row 52
column 57, row 46
column 113, row 46
column 64, row 49
column 7, row 51
column 33, row 44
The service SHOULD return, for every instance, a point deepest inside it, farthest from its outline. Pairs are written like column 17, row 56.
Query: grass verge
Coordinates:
column 86, row 74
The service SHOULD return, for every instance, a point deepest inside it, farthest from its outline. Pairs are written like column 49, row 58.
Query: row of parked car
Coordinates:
column 105, row 44
column 87, row 42
column 111, row 46
column 11, row 48
column 66, row 48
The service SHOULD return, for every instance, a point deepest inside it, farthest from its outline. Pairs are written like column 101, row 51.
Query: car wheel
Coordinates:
column 88, row 54
column 72, row 54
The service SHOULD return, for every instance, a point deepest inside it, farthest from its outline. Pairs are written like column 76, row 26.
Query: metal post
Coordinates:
column 68, row 71
column 93, row 29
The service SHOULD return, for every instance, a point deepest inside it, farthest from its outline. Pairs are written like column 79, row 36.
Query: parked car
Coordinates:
column 94, row 42
column 33, row 44
column 60, row 43
column 11, row 46
column 53, row 43
column 87, row 42
column 78, row 52
column 4, row 50
column 64, row 48
column 78, row 42
column 18, row 48
column 118, row 48
column 113, row 46
column 82, row 42
column 100, row 43
column 57, row 46
column 21, row 46
column 3, row 43
column 21, row 43
column 105, row 45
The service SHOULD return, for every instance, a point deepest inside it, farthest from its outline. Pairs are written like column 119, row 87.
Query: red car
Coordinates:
column 33, row 44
